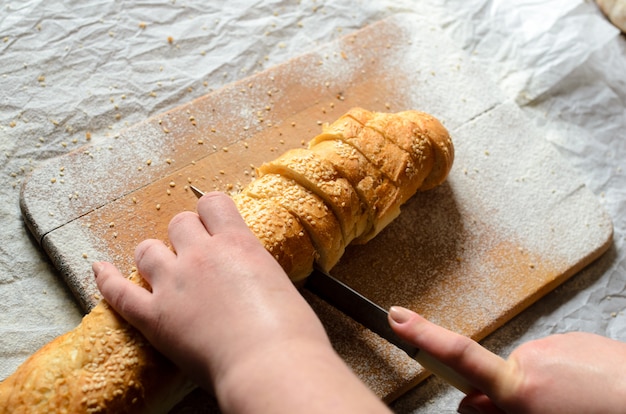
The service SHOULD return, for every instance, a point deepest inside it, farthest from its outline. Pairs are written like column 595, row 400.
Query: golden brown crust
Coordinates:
column 441, row 143
column 103, row 365
column 280, row 232
column 362, row 116
column 387, row 157
column 318, row 220
column 378, row 193
column 320, row 177
column 409, row 136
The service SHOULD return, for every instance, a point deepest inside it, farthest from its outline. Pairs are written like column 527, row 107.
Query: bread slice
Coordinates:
column 390, row 159
column 441, row 144
column 319, row 176
column 280, row 232
column 362, row 116
column 316, row 217
column 387, row 157
column 409, row 136
column 380, row 196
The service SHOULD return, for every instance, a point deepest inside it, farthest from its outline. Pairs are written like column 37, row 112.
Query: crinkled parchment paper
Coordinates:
column 76, row 72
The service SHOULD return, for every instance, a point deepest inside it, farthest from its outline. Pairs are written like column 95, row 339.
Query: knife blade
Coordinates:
column 373, row 317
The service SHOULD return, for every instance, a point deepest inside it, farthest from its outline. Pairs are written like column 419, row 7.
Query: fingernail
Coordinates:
column 97, row 268
column 400, row 315
column 467, row 409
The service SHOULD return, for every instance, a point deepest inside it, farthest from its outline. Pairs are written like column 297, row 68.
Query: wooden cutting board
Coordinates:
column 511, row 223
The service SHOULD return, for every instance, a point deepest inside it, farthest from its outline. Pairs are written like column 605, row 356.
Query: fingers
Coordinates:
column 185, row 230
column 482, row 368
column 131, row 301
column 151, row 258
column 219, row 214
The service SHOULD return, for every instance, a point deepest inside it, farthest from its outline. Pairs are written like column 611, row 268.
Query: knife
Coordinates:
column 373, row 317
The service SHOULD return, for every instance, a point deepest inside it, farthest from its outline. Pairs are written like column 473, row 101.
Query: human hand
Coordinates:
column 565, row 373
column 216, row 299
column 226, row 313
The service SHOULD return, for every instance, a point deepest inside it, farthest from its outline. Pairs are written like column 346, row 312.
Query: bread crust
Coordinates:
column 413, row 140
column 386, row 156
column 280, row 232
column 441, row 144
column 313, row 213
column 320, row 177
column 103, row 365
column 379, row 195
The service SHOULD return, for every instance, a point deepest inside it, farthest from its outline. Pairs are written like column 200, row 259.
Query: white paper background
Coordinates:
column 68, row 67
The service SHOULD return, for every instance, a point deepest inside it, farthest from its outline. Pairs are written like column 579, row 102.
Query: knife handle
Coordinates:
column 444, row 372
